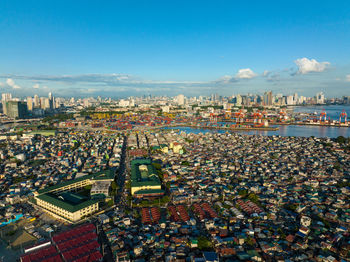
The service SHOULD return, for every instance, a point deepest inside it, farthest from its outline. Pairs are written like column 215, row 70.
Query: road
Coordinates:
column 119, row 198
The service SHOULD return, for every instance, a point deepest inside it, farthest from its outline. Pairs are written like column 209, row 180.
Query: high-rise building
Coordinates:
column 36, row 101
column 239, row 100
column 30, row 103
column 269, row 98
column 180, row 99
column 4, row 98
column 320, row 98
column 290, row 100
column 42, row 102
column 47, row 104
column 51, row 101
column 16, row 109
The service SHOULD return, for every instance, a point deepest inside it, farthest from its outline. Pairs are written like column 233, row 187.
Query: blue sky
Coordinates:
column 121, row 48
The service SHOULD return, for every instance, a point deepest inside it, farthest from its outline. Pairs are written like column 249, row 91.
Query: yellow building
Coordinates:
column 59, row 202
column 69, row 206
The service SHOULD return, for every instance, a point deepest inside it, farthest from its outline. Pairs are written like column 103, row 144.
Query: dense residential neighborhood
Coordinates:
column 165, row 195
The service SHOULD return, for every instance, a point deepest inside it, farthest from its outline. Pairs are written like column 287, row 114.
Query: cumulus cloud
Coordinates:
column 36, row 86
column 306, row 65
column 245, row 73
column 12, row 83
column 347, row 78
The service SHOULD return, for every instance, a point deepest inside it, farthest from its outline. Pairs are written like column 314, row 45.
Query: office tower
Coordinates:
column 320, row 98
column 47, row 103
column 180, row 99
column 4, row 98
column 42, row 102
column 16, row 109
column 296, row 98
column 269, row 98
column 290, row 100
column 51, row 101
column 30, row 103
column 36, row 101
column 239, row 100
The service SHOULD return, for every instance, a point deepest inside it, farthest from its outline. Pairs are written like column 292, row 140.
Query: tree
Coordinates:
column 114, row 185
column 204, row 243
column 242, row 192
column 341, row 140
column 253, row 197
column 250, row 241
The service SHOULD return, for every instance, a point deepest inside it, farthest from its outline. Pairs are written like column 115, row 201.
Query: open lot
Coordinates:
column 16, row 236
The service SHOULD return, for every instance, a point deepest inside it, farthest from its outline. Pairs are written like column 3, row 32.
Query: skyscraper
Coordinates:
column 30, row 103
column 36, row 101
column 4, row 98
column 320, row 98
column 180, row 99
column 16, row 109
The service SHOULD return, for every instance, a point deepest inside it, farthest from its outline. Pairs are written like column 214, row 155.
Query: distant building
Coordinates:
column 165, row 109
column 30, row 103
column 4, row 98
column 239, row 100
column 290, row 100
column 320, row 98
column 16, row 109
column 180, row 99
column 36, row 101
column 124, row 103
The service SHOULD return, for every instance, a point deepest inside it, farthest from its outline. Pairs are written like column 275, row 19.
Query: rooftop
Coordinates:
column 69, row 202
column 143, row 173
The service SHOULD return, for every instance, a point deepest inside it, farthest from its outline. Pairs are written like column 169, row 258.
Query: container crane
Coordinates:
column 323, row 115
column 343, row 116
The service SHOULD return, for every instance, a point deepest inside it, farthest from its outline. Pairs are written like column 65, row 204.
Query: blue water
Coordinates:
column 333, row 111
column 301, row 131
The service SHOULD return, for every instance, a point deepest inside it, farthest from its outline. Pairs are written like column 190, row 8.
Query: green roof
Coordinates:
column 64, row 183
column 71, row 207
column 143, row 178
column 102, row 175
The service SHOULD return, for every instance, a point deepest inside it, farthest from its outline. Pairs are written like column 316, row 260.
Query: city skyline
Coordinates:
column 122, row 49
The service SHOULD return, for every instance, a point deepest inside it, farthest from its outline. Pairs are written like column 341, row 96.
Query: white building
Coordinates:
column 320, row 98
column 180, row 99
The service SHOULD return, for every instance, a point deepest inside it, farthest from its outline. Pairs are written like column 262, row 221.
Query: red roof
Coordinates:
column 46, row 254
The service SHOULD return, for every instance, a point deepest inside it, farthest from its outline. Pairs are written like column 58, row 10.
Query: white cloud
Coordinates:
column 266, row 73
column 12, row 83
column 225, row 79
column 36, row 86
column 306, row 65
column 246, row 73
column 347, row 78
